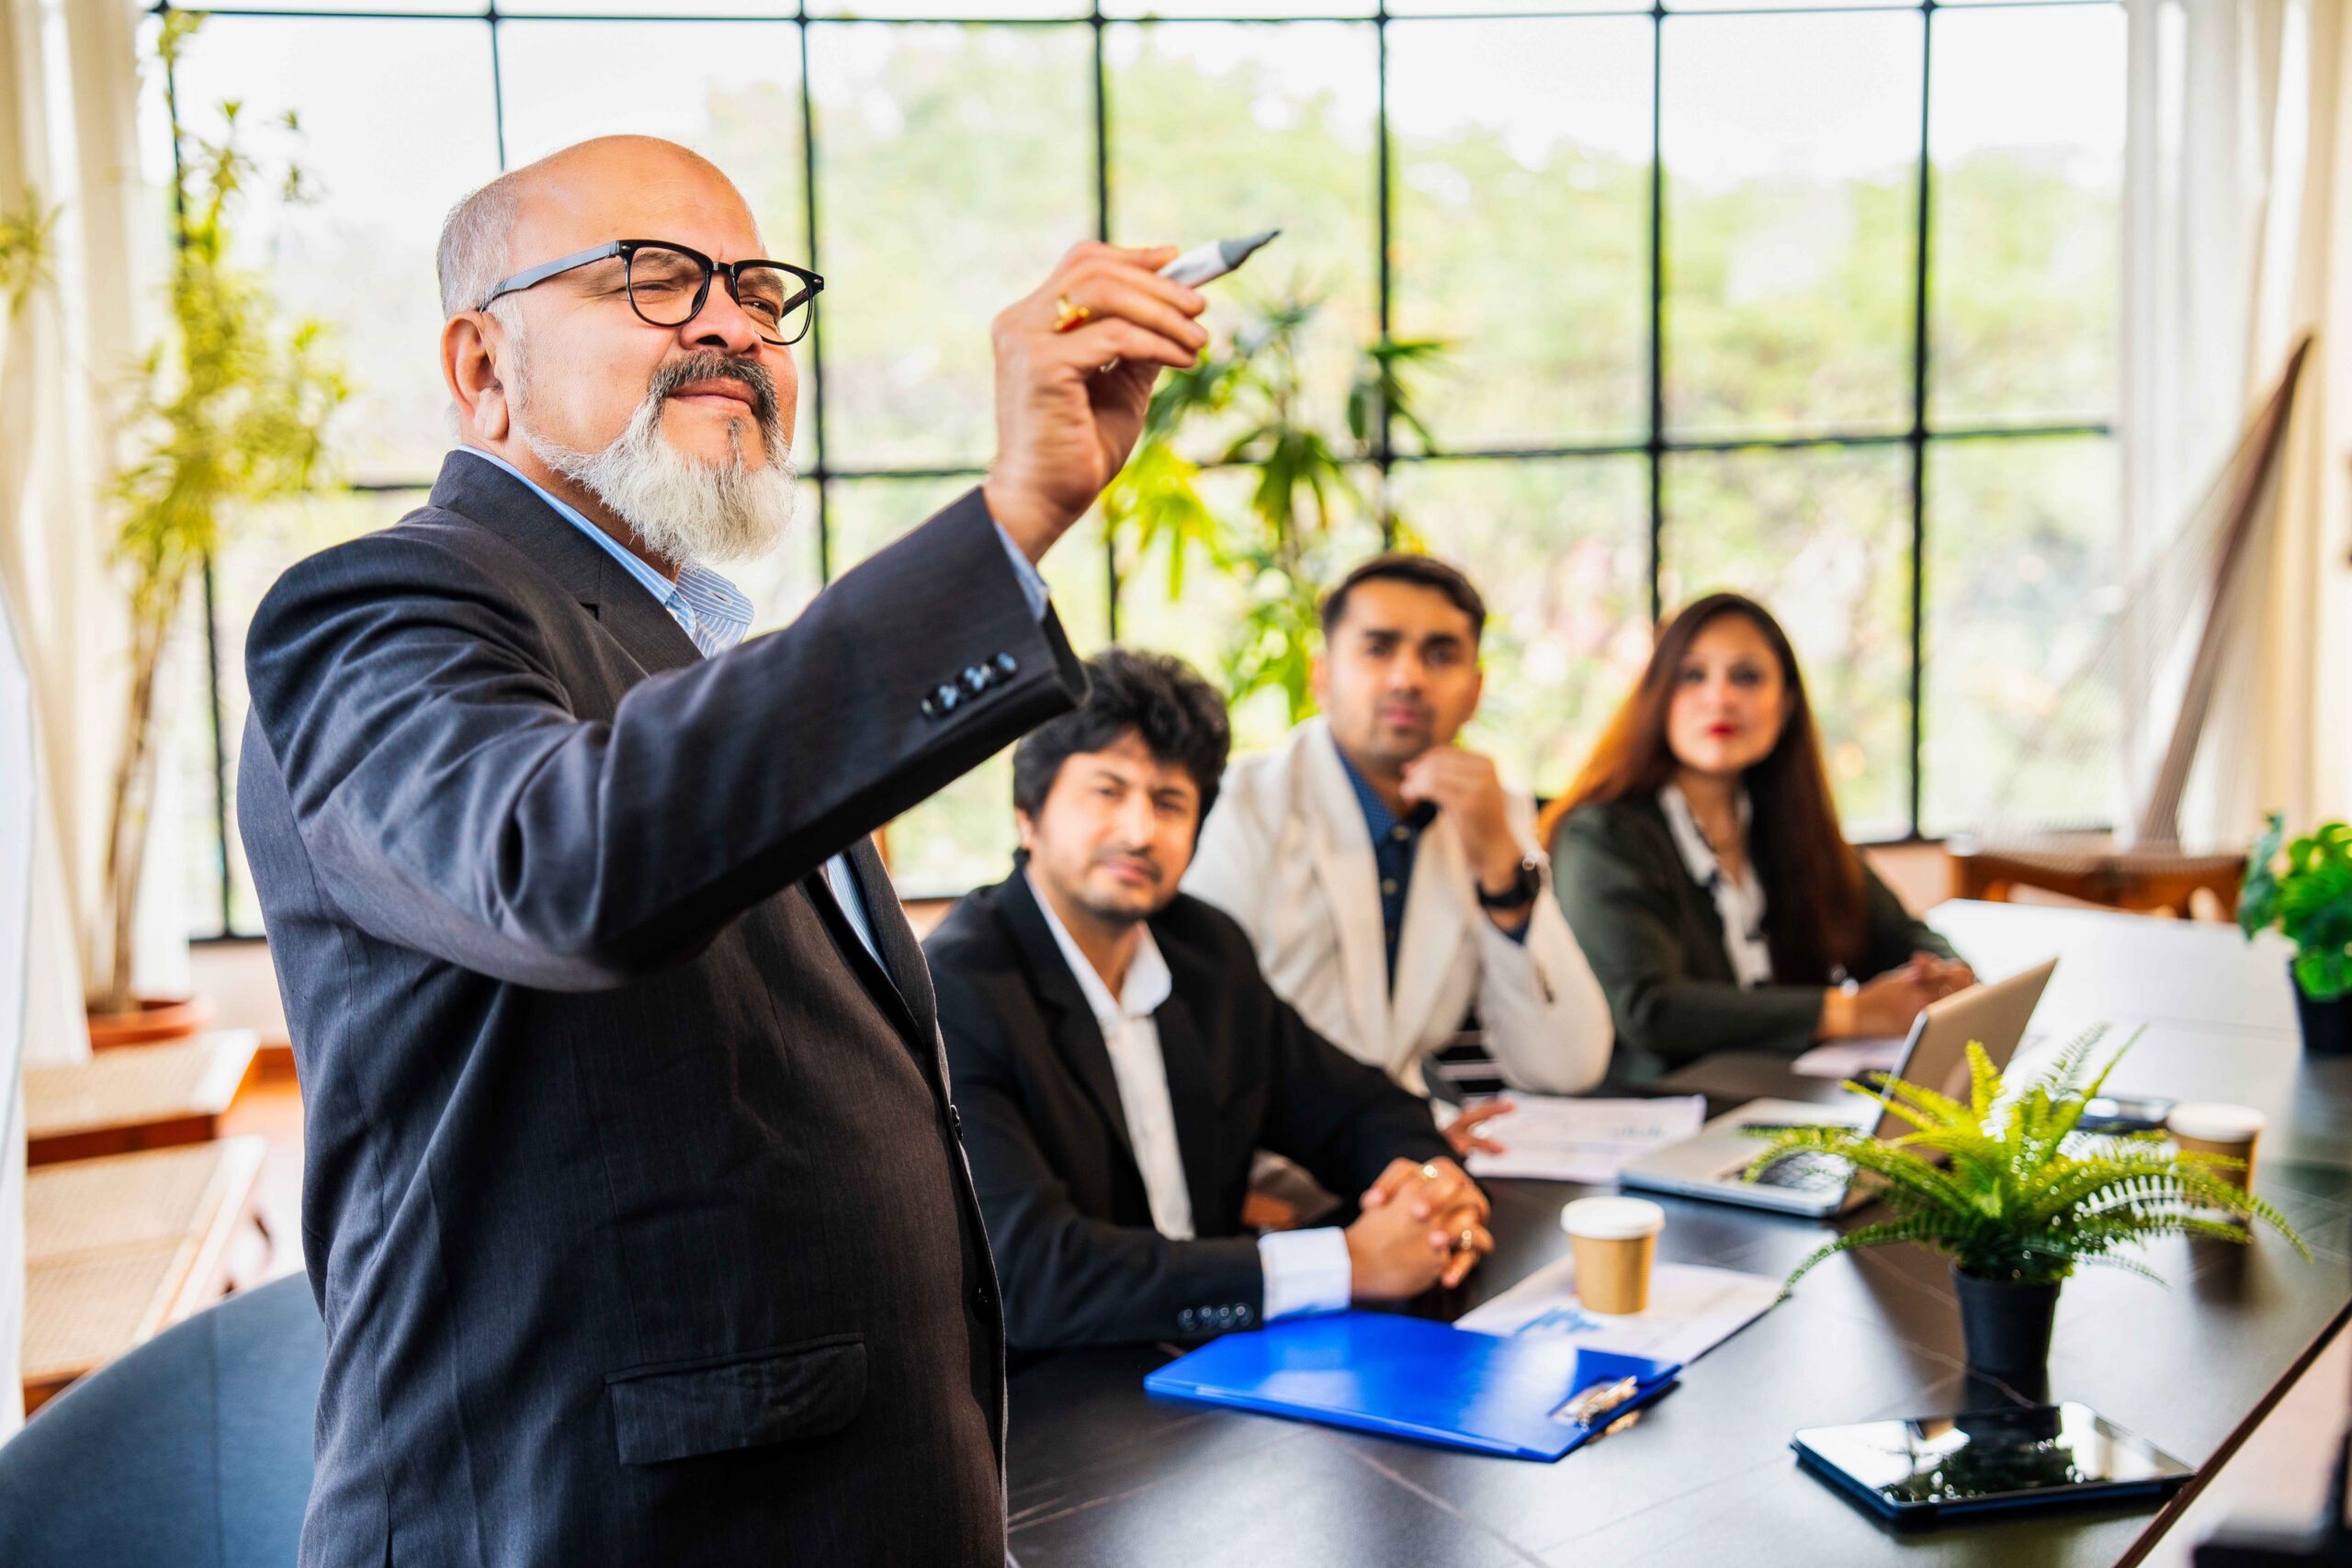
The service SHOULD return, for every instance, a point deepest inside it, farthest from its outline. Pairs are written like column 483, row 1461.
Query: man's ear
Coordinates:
column 1319, row 678
column 472, row 347
column 1026, row 828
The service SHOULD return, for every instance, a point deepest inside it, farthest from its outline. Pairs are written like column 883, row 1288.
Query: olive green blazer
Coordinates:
column 1651, row 935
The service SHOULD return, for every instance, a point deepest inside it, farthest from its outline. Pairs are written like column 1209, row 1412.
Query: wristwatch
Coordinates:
column 1520, row 893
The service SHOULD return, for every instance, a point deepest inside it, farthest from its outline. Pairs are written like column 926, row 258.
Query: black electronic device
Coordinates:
column 2123, row 1113
column 1979, row 1461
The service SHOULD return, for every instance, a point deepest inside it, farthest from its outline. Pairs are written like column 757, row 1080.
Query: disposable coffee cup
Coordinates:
column 2213, row 1129
column 1615, row 1241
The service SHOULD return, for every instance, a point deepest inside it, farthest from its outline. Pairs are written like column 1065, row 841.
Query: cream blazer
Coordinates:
column 1286, row 852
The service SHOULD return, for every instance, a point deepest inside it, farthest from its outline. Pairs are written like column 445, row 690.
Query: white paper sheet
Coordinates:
column 1848, row 1058
column 1556, row 1139
column 1692, row 1309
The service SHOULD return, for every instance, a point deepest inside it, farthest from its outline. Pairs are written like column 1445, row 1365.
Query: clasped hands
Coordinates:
column 1420, row 1225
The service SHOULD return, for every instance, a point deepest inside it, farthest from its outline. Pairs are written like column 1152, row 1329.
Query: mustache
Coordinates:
column 1142, row 858
column 707, row 365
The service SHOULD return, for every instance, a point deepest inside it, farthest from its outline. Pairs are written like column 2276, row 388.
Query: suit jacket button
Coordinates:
column 1184, row 1319
column 931, row 707
column 1242, row 1316
column 946, row 698
column 976, row 678
column 1006, row 665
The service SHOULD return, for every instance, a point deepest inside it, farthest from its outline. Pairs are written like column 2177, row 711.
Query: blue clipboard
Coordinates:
column 1407, row 1376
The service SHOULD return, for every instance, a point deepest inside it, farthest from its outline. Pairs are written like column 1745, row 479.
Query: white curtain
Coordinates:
column 69, row 91
column 2238, row 190
column 69, row 82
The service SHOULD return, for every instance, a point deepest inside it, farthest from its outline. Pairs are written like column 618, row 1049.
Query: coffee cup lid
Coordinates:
column 1612, row 1219
column 2214, row 1122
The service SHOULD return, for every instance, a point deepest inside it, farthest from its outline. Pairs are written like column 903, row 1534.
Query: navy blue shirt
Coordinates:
column 1395, row 840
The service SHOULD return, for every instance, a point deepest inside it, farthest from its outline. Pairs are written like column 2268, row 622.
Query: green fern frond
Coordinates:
column 2008, row 1186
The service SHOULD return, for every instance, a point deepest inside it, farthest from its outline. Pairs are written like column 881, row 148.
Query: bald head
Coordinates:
column 673, row 439
column 609, row 188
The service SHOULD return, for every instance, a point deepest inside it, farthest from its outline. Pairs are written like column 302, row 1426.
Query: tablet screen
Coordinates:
column 2016, row 1454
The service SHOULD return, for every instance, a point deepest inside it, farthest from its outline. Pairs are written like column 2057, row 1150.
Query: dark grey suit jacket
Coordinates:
column 633, row 1203
column 1655, row 938
column 1066, row 1205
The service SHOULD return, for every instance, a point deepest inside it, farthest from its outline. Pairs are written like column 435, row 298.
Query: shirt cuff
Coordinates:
column 1306, row 1271
column 1032, row 586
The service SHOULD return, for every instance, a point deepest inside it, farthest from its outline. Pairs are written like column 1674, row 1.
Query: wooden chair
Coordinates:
column 2143, row 882
column 117, row 1250
column 2148, row 869
column 117, row 1102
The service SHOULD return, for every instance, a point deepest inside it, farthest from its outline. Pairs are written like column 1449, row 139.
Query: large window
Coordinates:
column 1816, row 303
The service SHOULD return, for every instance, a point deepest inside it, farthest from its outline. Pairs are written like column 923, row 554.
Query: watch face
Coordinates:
column 1521, row 892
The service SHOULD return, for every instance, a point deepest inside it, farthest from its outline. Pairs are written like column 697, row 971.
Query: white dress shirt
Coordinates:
column 1305, row 1270
column 1739, row 902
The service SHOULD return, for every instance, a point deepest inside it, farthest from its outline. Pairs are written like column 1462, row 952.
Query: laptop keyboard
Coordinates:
column 1809, row 1173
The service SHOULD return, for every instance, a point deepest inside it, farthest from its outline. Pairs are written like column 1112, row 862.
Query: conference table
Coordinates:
column 1100, row 1473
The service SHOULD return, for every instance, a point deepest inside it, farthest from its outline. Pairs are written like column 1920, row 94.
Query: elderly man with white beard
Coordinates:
column 634, row 1199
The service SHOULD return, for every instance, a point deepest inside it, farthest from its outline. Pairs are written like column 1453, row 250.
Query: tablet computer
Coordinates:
column 2025, row 1457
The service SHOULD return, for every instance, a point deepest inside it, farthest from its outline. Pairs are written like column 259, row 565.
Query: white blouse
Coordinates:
column 1739, row 901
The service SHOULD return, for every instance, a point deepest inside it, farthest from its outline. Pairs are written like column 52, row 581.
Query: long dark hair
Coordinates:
column 1812, row 877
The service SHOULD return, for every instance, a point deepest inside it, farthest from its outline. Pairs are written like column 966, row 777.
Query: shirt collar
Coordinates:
column 1377, row 818
column 1690, row 839
column 1147, row 983
column 713, row 613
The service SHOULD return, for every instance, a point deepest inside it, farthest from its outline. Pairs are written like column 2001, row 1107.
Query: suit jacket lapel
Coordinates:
column 900, row 956
column 1070, row 1022
column 1350, row 882
column 1192, row 1099
column 485, row 494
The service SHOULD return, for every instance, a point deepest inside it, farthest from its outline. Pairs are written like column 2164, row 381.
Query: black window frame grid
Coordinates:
column 1655, row 449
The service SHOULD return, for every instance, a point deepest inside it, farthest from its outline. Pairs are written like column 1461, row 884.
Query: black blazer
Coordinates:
column 631, row 1203
column 1067, row 1210
column 1656, row 943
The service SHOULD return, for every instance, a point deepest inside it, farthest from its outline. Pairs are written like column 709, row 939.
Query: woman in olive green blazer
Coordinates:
column 1699, row 860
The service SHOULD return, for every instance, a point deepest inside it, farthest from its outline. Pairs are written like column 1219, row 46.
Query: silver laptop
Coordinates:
column 1712, row 1163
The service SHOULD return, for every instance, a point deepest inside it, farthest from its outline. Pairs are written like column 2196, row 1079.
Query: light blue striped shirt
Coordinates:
column 715, row 615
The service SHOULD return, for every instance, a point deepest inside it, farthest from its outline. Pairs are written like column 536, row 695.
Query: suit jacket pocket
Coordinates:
column 740, row 1402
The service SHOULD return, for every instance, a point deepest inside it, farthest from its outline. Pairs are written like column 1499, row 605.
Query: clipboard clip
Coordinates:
column 1586, row 1407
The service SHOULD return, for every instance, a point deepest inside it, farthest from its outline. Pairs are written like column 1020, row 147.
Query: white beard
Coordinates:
column 683, row 509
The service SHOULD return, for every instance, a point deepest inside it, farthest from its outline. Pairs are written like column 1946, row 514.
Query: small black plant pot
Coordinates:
column 2328, row 1026
column 2005, row 1327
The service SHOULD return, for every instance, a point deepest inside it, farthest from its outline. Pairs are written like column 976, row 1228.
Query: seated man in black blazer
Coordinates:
column 1115, row 1056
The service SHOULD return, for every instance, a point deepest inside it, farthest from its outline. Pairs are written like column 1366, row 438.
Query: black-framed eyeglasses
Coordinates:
column 669, row 284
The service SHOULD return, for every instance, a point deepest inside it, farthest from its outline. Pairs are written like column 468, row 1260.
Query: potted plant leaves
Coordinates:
column 2303, row 888
column 2010, row 1191
column 229, row 410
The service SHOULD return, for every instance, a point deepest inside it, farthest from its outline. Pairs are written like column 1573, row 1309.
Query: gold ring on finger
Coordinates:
column 1429, row 1173
column 1467, row 1241
column 1068, row 313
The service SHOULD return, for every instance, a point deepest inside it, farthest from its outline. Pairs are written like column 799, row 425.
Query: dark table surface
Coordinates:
column 1103, row 1474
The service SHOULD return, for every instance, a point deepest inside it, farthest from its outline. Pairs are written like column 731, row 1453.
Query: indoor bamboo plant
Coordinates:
column 229, row 410
column 1255, row 402
column 2303, row 888
column 2008, row 1189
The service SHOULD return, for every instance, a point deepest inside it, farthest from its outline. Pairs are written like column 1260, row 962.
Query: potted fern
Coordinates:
column 2303, row 888
column 2007, row 1187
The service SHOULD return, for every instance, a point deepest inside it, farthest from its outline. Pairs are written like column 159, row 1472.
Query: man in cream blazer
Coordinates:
column 1388, row 881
